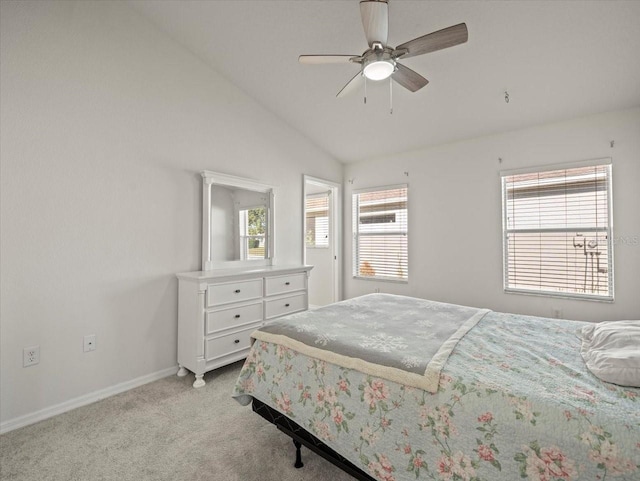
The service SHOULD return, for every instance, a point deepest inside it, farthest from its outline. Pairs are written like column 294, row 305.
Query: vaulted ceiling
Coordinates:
column 556, row 59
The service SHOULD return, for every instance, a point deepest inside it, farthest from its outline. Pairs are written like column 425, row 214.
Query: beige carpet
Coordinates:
column 165, row 430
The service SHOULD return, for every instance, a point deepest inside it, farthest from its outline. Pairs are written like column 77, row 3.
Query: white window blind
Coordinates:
column 380, row 243
column 557, row 232
column 317, row 214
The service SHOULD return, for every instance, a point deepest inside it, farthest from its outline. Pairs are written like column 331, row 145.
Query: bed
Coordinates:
column 513, row 398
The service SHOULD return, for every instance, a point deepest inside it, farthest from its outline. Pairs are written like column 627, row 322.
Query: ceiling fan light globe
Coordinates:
column 378, row 70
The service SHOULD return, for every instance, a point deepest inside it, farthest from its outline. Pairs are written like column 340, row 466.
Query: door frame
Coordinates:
column 335, row 228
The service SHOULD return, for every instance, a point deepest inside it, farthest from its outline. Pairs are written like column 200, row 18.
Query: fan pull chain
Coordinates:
column 390, row 97
column 365, row 89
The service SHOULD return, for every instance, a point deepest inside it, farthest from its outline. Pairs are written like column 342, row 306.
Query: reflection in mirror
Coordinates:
column 238, row 224
column 237, row 221
column 253, row 232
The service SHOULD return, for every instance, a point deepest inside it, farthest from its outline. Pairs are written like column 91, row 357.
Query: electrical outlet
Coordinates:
column 557, row 313
column 89, row 342
column 30, row 356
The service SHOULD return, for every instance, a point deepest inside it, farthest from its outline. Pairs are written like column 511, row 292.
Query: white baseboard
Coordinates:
column 46, row 413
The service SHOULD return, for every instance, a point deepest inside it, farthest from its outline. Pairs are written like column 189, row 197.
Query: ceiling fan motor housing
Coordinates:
column 378, row 63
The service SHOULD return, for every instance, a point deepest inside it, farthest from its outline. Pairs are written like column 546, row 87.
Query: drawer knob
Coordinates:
column 287, row 283
column 286, row 305
column 237, row 316
column 237, row 291
column 237, row 341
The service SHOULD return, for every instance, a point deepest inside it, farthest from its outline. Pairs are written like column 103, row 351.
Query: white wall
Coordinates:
column 105, row 124
column 455, row 225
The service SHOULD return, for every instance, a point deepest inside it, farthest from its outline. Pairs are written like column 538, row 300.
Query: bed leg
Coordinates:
column 299, row 463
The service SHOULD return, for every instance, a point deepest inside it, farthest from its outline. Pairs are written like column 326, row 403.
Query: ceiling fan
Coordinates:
column 380, row 61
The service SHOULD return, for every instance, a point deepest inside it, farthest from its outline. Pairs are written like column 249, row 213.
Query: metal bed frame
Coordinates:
column 300, row 437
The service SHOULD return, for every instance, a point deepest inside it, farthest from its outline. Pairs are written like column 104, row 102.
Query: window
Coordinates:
column 253, row 223
column 557, row 231
column 317, row 214
column 380, row 248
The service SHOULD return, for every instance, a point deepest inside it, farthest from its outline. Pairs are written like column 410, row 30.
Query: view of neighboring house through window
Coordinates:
column 557, row 231
column 317, row 214
column 380, row 243
column 253, row 223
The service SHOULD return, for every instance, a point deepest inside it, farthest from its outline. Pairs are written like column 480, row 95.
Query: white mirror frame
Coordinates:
column 209, row 181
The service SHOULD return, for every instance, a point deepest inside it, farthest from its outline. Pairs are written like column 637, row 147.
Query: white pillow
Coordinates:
column 611, row 350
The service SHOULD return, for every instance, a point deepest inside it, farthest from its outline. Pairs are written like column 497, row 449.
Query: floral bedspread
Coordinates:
column 398, row 338
column 515, row 402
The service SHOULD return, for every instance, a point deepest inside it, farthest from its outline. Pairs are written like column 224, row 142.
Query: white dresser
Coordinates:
column 219, row 309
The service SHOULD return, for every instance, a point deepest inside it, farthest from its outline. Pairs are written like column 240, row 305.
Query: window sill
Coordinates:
column 559, row 295
column 381, row 279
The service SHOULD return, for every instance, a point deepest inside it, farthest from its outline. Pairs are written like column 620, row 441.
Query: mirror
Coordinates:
column 237, row 221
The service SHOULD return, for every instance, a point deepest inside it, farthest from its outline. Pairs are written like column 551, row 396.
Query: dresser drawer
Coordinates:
column 229, row 317
column 285, row 305
column 217, row 347
column 284, row 284
column 227, row 292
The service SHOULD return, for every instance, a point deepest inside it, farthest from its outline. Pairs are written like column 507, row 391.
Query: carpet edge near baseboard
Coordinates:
column 63, row 407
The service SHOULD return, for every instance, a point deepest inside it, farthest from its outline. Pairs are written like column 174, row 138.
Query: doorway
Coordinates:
column 322, row 239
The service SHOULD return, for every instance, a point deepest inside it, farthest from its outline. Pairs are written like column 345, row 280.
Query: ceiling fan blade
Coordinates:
column 445, row 38
column 375, row 20
column 409, row 79
column 352, row 85
column 320, row 59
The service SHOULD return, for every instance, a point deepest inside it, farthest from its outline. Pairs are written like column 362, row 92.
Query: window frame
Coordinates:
column 355, row 223
column 608, row 229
